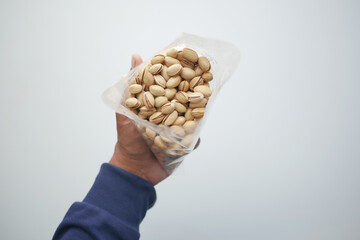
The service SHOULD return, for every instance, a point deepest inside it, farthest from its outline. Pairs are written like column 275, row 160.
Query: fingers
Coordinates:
column 135, row 60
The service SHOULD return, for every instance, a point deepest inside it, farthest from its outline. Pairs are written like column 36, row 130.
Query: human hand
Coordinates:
column 131, row 151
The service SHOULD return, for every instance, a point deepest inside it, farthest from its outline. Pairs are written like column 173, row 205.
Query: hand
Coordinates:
column 131, row 151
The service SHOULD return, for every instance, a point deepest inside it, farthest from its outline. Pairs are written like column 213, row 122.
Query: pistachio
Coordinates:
column 157, row 59
column 159, row 80
column 146, row 111
column 204, row 64
column 187, row 73
column 164, row 73
column 169, row 61
column 170, row 119
column 180, row 120
column 187, row 63
column 204, row 90
column 150, row 133
column 168, row 108
column 132, row 103
column 198, row 71
column 156, row 117
column 182, row 97
column 199, row 104
column 206, row 84
column 195, row 97
column 207, row 76
column 179, row 107
column 188, row 115
column 140, row 76
column 135, row 88
column 159, row 142
column 184, row 86
column 160, row 101
column 173, row 82
column 170, row 93
column 140, row 97
column 190, row 55
column 172, row 52
column 156, row 90
column 174, row 69
column 198, row 112
column 148, row 100
column 177, row 130
column 180, row 56
column 196, row 81
column 189, row 125
column 148, row 78
column 188, row 140
column 156, row 68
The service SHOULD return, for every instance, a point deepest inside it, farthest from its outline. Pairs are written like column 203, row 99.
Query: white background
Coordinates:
column 279, row 157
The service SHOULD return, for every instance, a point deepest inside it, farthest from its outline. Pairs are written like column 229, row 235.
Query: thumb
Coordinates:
column 135, row 60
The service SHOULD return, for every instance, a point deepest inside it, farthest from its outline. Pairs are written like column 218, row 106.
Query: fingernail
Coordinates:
column 132, row 62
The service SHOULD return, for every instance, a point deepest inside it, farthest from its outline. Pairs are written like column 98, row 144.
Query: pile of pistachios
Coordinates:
column 172, row 90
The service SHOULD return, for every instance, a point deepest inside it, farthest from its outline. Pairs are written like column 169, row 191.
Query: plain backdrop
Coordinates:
column 279, row 156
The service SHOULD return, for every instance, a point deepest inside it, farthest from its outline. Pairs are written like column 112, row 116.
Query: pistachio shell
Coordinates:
column 199, row 104
column 190, row 55
column 156, row 117
column 159, row 80
column 174, row 69
column 187, row 63
column 187, row 73
column 168, row 108
column 207, row 76
column 156, row 90
column 169, row 61
column 148, row 78
column 198, row 112
column 150, row 133
column 160, row 101
column 170, row 119
column 146, row 111
column 159, row 142
column 164, row 73
column 173, row 82
column 140, row 97
column 180, row 120
column 184, row 86
column 189, row 125
column 188, row 140
column 204, row 90
column 179, row 107
column 170, row 93
column 195, row 97
column 172, row 52
column 182, row 97
column 188, row 115
column 196, row 81
column 204, row 64
column 157, row 59
column 135, row 88
column 156, row 68
column 177, row 130
column 132, row 103
column 198, row 71
column 148, row 100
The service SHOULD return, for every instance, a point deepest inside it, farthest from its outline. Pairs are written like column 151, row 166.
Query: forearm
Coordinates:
column 113, row 208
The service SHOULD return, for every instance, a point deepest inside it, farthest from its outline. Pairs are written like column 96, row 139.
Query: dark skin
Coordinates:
column 131, row 151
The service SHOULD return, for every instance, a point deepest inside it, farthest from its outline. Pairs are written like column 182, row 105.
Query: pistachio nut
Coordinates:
column 132, row 103
column 159, row 80
column 195, row 97
column 184, row 86
column 140, row 76
column 182, row 97
column 172, row 52
column 148, row 100
column 207, row 76
column 177, row 130
column 159, row 142
column 157, row 59
column 204, row 64
column 180, row 120
column 186, row 63
column 187, row 73
column 156, row 68
column 188, row 115
column 140, row 97
column 164, row 73
column 200, row 104
column 168, row 108
column 169, row 61
column 146, row 111
column 189, row 125
column 198, row 71
column 196, row 81
column 190, row 55
column 170, row 119
column 148, row 78
column 150, row 133
column 198, row 112
column 173, row 82
column 135, row 88
column 156, row 90
column 204, row 90
column 156, row 117
column 179, row 107
column 160, row 101
column 180, row 56
column 170, row 93
column 174, row 69
column 188, row 140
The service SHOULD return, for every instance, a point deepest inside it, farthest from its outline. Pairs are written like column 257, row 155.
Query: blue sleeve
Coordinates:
column 113, row 209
